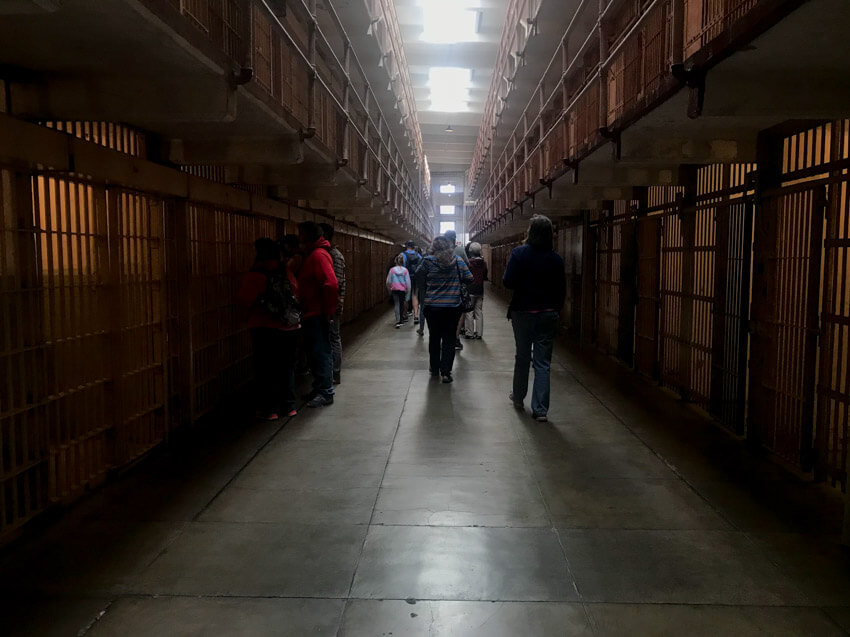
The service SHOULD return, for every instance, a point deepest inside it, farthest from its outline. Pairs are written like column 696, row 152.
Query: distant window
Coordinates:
column 445, row 226
column 448, row 189
column 447, row 210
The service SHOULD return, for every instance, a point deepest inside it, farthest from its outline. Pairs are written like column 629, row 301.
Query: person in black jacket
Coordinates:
column 535, row 273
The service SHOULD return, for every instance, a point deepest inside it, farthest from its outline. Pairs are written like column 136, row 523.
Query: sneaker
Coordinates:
column 321, row 401
column 416, row 320
column 420, row 332
column 434, row 373
column 272, row 416
column 540, row 417
column 448, row 379
column 458, row 345
column 476, row 336
column 398, row 325
column 291, row 413
column 468, row 337
column 517, row 403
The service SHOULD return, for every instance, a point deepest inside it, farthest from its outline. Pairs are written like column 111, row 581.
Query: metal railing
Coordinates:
column 599, row 77
column 325, row 95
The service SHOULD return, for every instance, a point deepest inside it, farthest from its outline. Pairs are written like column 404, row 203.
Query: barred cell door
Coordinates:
column 786, row 283
column 648, row 283
column 833, row 412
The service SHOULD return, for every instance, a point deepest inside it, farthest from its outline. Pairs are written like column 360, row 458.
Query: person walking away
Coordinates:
column 412, row 259
column 269, row 294
column 478, row 267
column 319, row 295
column 535, row 273
column 336, row 322
column 443, row 273
column 398, row 283
column 419, row 284
column 459, row 251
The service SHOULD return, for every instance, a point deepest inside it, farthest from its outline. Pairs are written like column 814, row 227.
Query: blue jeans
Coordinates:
column 317, row 342
column 535, row 338
column 400, row 300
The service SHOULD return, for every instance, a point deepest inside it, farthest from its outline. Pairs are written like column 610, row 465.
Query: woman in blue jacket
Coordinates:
column 535, row 272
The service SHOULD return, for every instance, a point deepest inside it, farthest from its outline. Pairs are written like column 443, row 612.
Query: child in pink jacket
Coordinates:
column 398, row 283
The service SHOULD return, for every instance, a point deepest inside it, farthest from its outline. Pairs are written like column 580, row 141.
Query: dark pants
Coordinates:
column 399, row 298
column 336, row 343
column 274, row 369
column 535, row 338
column 317, row 342
column 442, row 327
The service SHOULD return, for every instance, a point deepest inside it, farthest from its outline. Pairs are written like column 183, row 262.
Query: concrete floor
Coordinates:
column 413, row 508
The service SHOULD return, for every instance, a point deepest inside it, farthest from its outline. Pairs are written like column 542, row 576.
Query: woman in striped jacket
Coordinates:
column 443, row 272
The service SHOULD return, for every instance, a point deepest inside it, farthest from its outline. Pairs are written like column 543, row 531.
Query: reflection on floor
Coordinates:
column 414, row 508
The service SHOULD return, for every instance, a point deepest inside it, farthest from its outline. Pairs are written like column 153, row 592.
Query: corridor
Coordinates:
column 414, row 508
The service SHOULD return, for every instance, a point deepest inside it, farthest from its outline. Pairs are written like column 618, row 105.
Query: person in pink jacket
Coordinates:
column 398, row 283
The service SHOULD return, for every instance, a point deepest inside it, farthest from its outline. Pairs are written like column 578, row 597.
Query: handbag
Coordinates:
column 466, row 302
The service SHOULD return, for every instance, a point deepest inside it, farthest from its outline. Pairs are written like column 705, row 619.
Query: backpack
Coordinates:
column 414, row 260
column 279, row 300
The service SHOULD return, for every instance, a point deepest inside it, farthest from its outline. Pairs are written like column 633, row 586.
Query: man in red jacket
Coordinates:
column 318, row 291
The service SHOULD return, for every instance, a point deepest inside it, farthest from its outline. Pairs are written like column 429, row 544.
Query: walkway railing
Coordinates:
column 599, row 79
column 318, row 85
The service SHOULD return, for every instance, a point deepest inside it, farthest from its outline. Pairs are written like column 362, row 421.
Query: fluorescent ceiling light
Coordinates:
column 447, row 189
column 449, row 88
column 447, row 210
column 449, row 21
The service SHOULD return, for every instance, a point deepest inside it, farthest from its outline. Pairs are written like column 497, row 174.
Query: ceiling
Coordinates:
column 451, row 152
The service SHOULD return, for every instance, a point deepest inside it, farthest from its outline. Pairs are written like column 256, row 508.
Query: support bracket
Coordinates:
column 694, row 79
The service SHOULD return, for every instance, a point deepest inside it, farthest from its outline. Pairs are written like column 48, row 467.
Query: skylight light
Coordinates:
column 447, row 189
column 449, row 88
column 448, row 21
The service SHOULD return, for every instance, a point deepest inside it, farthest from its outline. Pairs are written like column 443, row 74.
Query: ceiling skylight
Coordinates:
column 449, row 88
column 449, row 21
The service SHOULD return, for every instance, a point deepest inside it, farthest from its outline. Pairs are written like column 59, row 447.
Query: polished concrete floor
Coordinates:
column 414, row 508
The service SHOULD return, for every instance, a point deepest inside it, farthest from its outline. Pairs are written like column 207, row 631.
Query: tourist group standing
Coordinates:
column 294, row 295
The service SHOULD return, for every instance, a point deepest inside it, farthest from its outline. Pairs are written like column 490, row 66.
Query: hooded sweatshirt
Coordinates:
column 318, row 287
column 440, row 273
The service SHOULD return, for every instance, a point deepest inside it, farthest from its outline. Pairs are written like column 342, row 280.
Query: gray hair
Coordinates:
column 475, row 249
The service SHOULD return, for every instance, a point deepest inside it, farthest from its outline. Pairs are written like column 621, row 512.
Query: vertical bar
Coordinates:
column 721, row 279
column 812, row 329
column 762, row 365
column 588, row 296
column 687, row 216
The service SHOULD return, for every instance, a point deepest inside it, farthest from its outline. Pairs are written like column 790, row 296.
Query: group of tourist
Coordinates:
column 447, row 286
column 294, row 296
column 297, row 287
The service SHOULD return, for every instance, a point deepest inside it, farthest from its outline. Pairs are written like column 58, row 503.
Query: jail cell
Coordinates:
column 648, row 298
column 609, row 233
column 138, row 326
column 73, row 248
column 673, row 254
column 570, row 241
column 833, row 387
column 24, row 388
column 730, row 196
column 787, row 285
